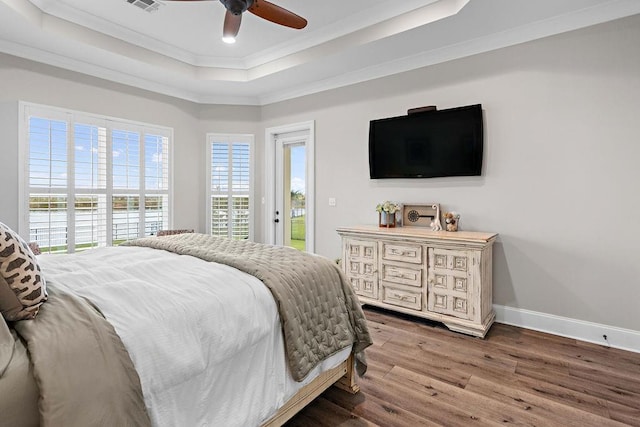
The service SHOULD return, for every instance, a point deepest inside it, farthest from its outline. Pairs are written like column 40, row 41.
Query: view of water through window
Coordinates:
column 94, row 185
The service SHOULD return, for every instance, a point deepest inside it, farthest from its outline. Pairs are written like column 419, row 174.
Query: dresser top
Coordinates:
column 420, row 232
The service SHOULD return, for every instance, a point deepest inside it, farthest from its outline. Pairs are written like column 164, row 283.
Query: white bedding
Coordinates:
column 205, row 338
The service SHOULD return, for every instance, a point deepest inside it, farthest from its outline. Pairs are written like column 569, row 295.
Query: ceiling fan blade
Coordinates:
column 277, row 14
column 231, row 24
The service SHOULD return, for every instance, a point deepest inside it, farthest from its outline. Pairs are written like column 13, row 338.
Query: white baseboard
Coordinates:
column 624, row 339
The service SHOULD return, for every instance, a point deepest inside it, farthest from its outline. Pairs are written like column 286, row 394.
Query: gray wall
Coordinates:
column 560, row 169
column 8, row 161
column 560, row 179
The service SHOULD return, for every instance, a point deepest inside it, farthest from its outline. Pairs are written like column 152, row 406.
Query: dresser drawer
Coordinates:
column 361, row 249
column 366, row 268
column 402, row 298
column 365, row 287
column 403, row 275
column 402, row 252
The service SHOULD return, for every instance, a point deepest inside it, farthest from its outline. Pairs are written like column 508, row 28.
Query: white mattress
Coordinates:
column 205, row 338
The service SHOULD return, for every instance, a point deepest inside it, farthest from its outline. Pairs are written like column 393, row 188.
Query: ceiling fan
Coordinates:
column 262, row 8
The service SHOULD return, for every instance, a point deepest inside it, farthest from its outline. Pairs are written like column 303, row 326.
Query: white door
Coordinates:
column 290, row 211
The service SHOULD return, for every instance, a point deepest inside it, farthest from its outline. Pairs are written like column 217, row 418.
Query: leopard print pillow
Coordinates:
column 21, row 273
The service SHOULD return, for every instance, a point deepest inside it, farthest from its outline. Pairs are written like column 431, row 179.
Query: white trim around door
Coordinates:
column 271, row 136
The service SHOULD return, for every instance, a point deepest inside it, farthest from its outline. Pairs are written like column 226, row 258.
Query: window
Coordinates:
column 230, row 186
column 91, row 181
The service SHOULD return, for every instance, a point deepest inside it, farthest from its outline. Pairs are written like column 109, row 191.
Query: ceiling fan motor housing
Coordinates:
column 237, row 7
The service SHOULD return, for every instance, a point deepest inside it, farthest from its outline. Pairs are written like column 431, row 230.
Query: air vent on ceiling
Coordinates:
column 148, row 5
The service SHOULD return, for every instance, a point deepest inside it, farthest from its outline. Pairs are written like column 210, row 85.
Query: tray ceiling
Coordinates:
column 177, row 49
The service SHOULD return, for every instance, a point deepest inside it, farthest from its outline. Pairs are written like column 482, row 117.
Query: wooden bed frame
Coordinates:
column 342, row 376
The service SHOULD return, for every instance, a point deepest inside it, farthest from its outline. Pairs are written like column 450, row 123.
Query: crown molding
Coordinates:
column 365, row 18
column 122, row 62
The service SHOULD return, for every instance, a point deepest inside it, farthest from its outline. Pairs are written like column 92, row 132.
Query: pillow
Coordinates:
column 22, row 282
column 35, row 248
column 6, row 346
column 10, row 305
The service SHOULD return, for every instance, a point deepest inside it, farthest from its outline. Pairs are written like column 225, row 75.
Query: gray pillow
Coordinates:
column 22, row 278
column 10, row 305
column 7, row 345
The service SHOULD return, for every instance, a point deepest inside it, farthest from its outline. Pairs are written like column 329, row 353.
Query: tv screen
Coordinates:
column 428, row 144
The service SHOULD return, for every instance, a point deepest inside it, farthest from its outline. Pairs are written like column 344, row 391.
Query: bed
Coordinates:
column 181, row 330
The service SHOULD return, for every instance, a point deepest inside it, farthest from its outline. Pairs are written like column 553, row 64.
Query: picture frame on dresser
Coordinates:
column 419, row 215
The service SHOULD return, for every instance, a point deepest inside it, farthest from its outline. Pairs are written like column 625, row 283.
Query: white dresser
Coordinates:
column 439, row 275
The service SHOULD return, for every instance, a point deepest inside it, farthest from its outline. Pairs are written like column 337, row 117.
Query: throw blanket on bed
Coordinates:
column 83, row 372
column 320, row 312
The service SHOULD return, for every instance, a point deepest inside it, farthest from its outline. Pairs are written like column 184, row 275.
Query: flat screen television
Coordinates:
column 427, row 144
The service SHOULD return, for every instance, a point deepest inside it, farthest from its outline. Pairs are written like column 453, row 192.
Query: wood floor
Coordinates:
column 421, row 374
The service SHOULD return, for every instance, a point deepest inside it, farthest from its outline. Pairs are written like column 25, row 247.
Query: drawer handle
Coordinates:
column 402, row 297
column 400, row 276
column 397, row 275
column 403, row 253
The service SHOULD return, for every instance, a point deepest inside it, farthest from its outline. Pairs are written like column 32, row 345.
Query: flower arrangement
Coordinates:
column 387, row 213
column 388, row 207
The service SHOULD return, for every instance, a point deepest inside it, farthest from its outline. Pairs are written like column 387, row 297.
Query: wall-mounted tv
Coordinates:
column 427, row 144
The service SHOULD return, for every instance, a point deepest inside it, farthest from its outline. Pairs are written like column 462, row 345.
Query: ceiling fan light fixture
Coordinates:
column 261, row 8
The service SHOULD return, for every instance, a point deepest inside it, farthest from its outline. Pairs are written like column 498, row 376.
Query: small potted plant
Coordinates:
column 387, row 213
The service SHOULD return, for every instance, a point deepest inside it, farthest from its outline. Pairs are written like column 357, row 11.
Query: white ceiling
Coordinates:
column 177, row 50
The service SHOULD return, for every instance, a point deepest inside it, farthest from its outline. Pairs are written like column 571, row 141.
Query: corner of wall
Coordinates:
column 9, row 170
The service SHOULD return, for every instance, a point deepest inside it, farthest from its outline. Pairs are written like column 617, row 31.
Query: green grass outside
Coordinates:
column 63, row 248
column 298, row 233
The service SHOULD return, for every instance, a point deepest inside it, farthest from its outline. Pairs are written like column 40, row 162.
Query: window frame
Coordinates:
column 73, row 118
column 230, row 139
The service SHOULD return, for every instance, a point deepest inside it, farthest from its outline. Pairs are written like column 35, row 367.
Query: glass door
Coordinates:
column 291, row 192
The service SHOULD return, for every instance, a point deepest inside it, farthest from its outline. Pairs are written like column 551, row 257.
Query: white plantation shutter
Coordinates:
column 125, row 218
column 126, row 160
column 90, row 172
column 48, row 221
column 219, row 215
column 230, row 186
column 48, row 195
column 220, row 189
column 90, row 221
column 156, row 214
column 156, row 183
column 156, row 166
column 240, row 178
column 127, row 215
column 48, row 156
column 92, row 181
column 90, row 156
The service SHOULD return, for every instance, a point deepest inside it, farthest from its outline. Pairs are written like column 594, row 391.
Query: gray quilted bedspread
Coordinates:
column 319, row 311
